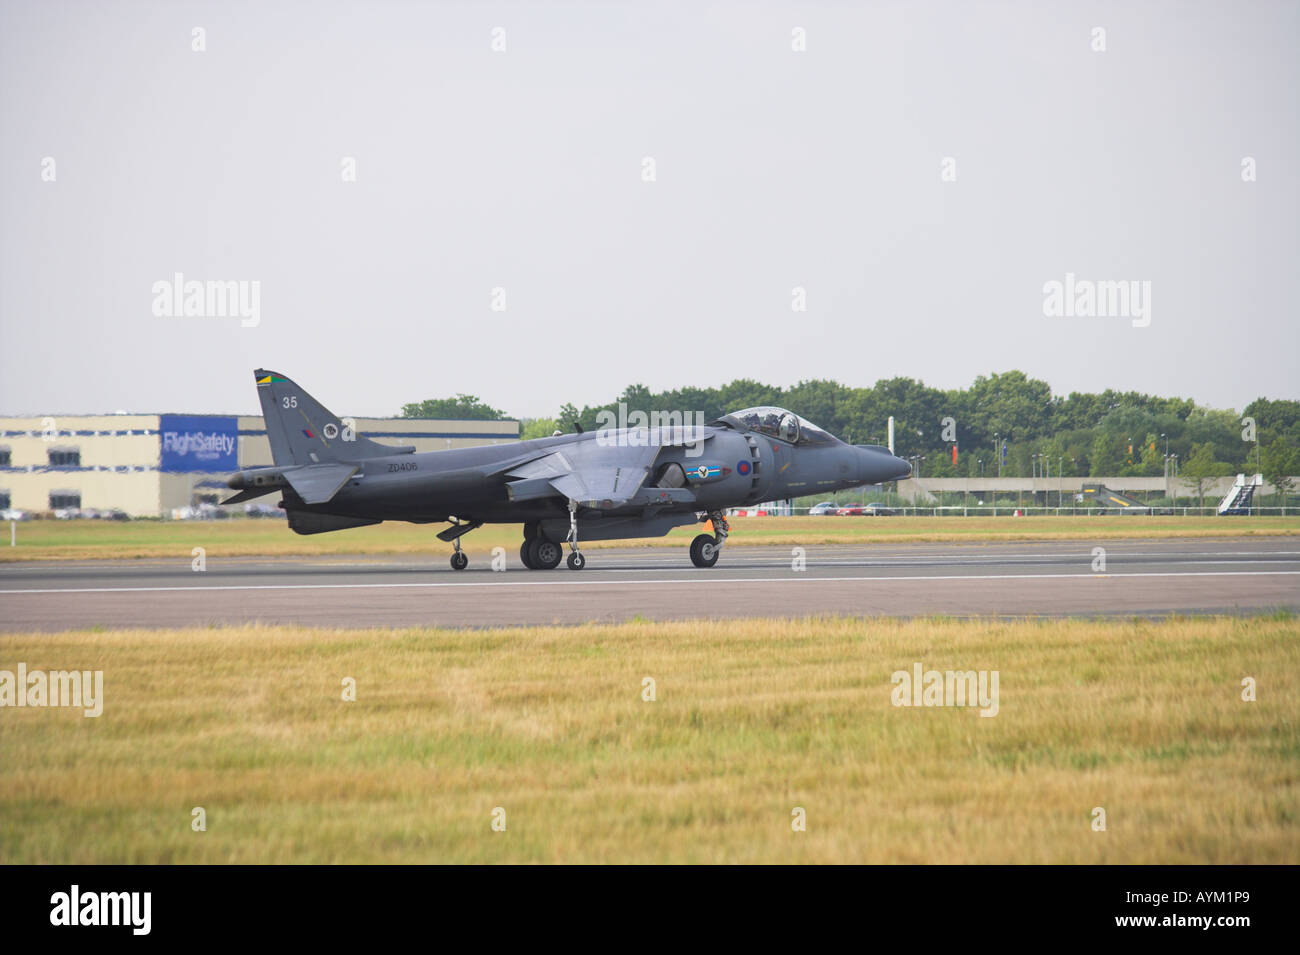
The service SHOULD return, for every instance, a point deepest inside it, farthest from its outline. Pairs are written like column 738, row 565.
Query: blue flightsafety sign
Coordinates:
column 199, row 443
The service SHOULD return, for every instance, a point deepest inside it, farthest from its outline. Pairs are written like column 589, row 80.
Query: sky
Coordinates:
column 437, row 198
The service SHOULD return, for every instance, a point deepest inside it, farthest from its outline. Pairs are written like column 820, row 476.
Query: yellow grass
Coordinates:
column 752, row 719
column 39, row 540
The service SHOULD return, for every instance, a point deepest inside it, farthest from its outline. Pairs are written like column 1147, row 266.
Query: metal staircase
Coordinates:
column 1241, row 494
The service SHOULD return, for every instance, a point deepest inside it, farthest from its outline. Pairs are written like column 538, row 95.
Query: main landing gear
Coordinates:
column 541, row 553
column 706, row 548
column 537, row 552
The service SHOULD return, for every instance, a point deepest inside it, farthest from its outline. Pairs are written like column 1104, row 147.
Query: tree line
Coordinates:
column 1110, row 433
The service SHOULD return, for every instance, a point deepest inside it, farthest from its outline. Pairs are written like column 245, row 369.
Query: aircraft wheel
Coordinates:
column 525, row 556
column 577, row 561
column 545, row 554
column 459, row 560
column 704, row 550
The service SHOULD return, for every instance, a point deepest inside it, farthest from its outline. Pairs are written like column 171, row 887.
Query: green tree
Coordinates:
column 462, row 407
column 1201, row 468
column 1276, row 419
column 1280, row 464
column 1106, row 457
column 538, row 428
column 1151, row 459
column 1011, row 403
column 568, row 415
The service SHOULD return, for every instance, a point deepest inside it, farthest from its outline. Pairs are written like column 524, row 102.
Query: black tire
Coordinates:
column 524, row 557
column 544, row 554
column 705, row 550
column 459, row 560
column 577, row 561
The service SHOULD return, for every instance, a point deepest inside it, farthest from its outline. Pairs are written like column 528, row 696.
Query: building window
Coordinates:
column 4, row 500
column 65, row 457
column 61, row 499
column 6, row 457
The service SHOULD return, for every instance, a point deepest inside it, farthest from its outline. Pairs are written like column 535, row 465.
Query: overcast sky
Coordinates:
column 523, row 169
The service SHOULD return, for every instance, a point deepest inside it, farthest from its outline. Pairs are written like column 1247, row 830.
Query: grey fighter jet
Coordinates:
column 611, row 484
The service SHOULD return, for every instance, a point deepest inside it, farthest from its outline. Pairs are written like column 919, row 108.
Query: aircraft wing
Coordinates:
column 588, row 472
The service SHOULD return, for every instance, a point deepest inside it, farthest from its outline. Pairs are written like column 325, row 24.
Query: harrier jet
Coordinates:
column 611, row 484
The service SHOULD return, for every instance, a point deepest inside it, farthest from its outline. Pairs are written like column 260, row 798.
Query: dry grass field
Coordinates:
column 751, row 719
column 52, row 539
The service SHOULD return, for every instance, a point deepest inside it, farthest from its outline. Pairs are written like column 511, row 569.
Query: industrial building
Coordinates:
column 148, row 465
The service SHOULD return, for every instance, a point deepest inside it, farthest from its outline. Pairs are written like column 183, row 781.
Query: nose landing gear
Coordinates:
column 706, row 548
column 704, row 551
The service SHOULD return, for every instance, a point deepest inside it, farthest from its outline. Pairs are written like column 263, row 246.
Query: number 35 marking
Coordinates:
column 291, row 401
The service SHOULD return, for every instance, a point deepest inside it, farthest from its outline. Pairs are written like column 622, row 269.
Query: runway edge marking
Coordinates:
column 648, row 583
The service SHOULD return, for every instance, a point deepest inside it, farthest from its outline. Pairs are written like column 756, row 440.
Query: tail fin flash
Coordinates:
column 303, row 431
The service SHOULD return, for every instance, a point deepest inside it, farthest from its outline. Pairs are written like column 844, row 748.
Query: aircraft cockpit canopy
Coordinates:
column 779, row 423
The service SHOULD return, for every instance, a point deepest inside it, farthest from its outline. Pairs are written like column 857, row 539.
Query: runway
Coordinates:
column 1057, row 578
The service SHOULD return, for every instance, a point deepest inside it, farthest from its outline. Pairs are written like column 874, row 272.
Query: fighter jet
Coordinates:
column 610, row 484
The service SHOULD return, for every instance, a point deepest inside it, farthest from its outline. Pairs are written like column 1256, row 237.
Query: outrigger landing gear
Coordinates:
column 706, row 547
column 576, row 560
column 459, row 559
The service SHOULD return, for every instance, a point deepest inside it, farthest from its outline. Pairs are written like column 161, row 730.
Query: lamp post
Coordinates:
column 1166, row 437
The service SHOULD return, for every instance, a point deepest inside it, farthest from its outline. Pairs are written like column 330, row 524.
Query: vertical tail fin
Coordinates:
column 303, row 431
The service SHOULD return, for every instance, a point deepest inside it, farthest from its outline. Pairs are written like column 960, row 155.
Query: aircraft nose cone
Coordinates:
column 876, row 465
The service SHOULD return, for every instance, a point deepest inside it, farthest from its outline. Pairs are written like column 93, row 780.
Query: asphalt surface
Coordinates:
column 1143, row 578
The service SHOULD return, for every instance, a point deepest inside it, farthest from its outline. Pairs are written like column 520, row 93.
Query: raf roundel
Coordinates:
column 742, row 467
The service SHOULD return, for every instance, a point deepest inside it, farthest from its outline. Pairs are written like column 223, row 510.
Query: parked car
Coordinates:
column 822, row 509
column 874, row 509
column 203, row 511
